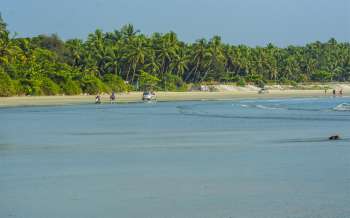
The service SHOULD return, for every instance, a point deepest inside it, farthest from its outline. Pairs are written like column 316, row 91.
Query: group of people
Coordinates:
column 112, row 98
column 340, row 92
column 334, row 92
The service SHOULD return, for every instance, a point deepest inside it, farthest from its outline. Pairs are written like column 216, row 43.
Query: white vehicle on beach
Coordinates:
column 149, row 96
column 263, row 91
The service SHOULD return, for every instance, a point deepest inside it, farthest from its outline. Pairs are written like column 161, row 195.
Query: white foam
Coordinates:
column 342, row 107
column 266, row 107
column 244, row 105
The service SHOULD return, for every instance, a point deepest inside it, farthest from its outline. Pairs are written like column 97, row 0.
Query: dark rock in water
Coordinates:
column 334, row 137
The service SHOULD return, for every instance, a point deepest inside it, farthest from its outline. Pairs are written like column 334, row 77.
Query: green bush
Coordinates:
column 147, row 81
column 6, row 85
column 71, row 88
column 257, row 79
column 48, row 87
column 322, row 76
column 92, row 85
column 241, row 82
column 260, row 83
column 116, row 83
column 173, row 82
column 18, row 88
column 31, row 87
column 293, row 83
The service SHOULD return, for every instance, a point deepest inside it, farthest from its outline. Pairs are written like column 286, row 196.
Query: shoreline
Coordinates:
column 134, row 97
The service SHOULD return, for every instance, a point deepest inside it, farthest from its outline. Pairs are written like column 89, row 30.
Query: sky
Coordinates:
column 251, row 22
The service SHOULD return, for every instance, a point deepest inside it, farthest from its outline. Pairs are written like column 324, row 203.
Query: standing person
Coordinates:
column 112, row 97
column 98, row 99
column 341, row 92
column 334, row 93
column 325, row 91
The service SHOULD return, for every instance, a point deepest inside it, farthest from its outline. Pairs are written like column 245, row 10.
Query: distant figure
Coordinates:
column 98, row 99
column 341, row 92
column 112, row 97
column 334, row 137
column 325, row 91
column 334, row 93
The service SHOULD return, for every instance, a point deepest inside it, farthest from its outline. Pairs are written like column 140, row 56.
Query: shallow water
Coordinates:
column 253, row 158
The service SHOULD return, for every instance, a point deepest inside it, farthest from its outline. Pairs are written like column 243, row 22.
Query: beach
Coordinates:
column 161, row 96
column 221, row 92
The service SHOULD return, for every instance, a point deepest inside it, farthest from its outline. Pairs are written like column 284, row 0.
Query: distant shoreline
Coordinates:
column 133, row 97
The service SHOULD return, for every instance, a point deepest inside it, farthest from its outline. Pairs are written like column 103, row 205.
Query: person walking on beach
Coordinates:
column 112, row 98
column 98, row 99
column 334, row 93
column 341, row 92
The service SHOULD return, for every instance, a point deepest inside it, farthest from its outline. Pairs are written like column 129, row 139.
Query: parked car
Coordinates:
column 149, row 96
column 263, row 91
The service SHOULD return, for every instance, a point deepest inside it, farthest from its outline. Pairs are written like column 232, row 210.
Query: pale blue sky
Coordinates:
column 252, row 22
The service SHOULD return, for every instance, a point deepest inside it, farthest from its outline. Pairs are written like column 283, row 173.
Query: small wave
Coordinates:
column 266, row 107
column 342, row 107
column 244, row 105
column 259, row 106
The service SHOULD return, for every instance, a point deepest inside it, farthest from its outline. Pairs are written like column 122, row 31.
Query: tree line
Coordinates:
column 126, row 59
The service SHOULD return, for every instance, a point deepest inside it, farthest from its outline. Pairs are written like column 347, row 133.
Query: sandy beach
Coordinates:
column 161, row 96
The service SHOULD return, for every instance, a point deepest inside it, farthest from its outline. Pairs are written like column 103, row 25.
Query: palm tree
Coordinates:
column 76, row 50
column 180, row 63
column 200, row 54
column 3, row 25
column 9, row 50
column 166, row 52
column 128, row 32
column 113, row 60
column 137, row 52
column 217, row 58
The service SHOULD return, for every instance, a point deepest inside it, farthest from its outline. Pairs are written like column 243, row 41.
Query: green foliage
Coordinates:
column 116, row 83
column 92, row 85
column 6, row 85
column 257, row 79
column 147, row 81
column 48, row 65
column 48, row 87
column 322, row 76
column 260, row 83
column 18, row 88
column 173, row 82
column 241, row 82
column 3, row 25
column 31, row 87
column 71, row 87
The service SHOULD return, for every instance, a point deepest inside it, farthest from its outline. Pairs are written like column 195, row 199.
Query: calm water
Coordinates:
column 256, row 158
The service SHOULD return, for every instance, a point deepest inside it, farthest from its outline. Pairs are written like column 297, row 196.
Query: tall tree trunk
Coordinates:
column 133, row 74
column 194, row 69
column 128, row 72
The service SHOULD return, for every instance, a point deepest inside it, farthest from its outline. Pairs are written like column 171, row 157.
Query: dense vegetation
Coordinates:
column 128, row 60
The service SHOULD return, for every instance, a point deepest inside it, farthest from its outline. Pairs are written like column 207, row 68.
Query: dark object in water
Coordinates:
column 334, row 137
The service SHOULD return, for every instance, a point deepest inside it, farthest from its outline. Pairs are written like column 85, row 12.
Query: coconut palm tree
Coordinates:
column 137, row 50
column 199, row 55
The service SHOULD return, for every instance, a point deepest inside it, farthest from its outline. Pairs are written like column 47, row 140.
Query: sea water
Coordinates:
column 248, row 158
